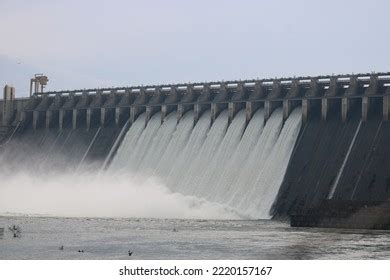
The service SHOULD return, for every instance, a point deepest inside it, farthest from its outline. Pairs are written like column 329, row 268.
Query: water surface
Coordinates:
column 104, row 238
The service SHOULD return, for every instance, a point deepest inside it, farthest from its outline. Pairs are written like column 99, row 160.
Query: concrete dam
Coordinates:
column 282, row 147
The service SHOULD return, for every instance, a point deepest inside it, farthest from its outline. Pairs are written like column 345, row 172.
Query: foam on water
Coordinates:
column 104, row 195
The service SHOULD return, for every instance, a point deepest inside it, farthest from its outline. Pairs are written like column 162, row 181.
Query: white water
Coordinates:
column 246, row 180
column 137, row 153
column 231, row 173
column 172, row 170
column 271, row 175
column 240, row 168
column 197, row 167
column 176, row 146
column 190, row 151
column 104, row 195
column 158, row 145
column 209, row 184
column 120, row 161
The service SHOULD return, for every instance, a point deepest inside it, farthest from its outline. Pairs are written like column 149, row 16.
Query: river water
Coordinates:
column 107, row 238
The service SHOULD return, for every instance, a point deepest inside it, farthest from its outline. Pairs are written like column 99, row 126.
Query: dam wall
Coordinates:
column 342, row 161
column 314, row 166
column 366, row 175
column 263, row 148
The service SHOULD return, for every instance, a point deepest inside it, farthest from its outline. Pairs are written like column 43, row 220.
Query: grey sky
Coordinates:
column 91, row 43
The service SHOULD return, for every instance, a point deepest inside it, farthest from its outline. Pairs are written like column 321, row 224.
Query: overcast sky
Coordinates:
column 91, row 43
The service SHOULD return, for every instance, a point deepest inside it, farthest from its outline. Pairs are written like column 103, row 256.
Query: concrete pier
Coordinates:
column 253, row 102
column 272, row 101
column 345, row 105
column 107, row 111
column 218, row 103
column 311, row 102
column 334, row 90
column 52, row 113
column 236, row 103
column 8, row 105
column 289, row 103
column 138, row 107
column 75, row 113
column 79, row 111
column 353, row 89
column 373, row 89
column 39, row 112
column 122, row 108
column 169, row 103
column 154, row 104
column 93, row 111
column 66, row 111
column 201, row 104
column 185, row 102
column 386, row 106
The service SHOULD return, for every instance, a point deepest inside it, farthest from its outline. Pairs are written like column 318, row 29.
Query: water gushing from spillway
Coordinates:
column 198, row 166
column 169, row 169
column 231, row 174
column 158, row 145
column 212, row 175
column 236, row 165
column 271, row 174
column 144, row 142
column 121, row 158
column 176, row 145
column 189, row 152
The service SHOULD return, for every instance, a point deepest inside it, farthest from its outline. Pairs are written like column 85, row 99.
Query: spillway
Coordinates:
column 120, row 161
column 189, row 152
column 195, row 171
column 159, row 144
column 205, row 161
column 143, row 145
column 231, row 174
column 175, row 149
